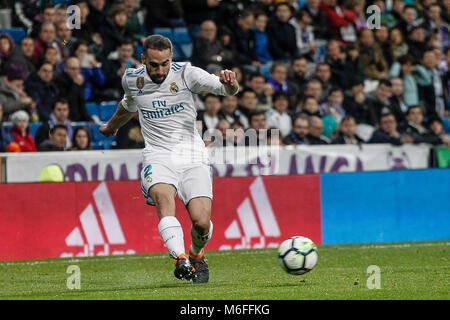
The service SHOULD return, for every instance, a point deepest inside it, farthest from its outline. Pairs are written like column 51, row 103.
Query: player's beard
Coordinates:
column 158, row 79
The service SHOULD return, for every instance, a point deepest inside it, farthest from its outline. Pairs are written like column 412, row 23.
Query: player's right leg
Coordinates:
column 159, row 183
column 170, row 228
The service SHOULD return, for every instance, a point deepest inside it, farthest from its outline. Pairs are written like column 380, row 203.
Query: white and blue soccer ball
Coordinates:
column 297, row 255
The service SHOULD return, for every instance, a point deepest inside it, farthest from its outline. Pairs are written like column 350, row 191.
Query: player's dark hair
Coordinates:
column 157, row 42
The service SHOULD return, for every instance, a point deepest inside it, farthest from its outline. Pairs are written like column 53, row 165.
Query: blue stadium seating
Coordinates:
column 93, row 109
column 178, row 54
column 166, row 32
column 187, row 50
column 34, row 126
column 16, row 33
column 181, row 35
column 265, row 70
column 107, row 110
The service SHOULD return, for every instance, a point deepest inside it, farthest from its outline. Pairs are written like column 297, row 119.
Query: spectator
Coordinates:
column 133, row 24
column 397, row 100
column 5, row 134
column 282, row 37
column 314, row 89
column 240, row 78
column 405, row 68
column 334, row 105
column 434, row 24
column 247, row 101
column 208, row 118
column 222, row 127
column 208, row 52
column 382, row 39
column 21, row 56
column 57, row 139
column 357, row 7
column 168, row 14
column 81, row 140
column 47, row 36
column 274, row 137
column 315, row 131
column 375, row 66
column 417, row 42
column 278, row 116
column 278, row 80
column 398, row 46
column 323, row 74
column 113, row 31
column 21, row 131
column 238, row 138
column 70, row 84
column 261, row 38
column 347, row 132
column 87, row 31
column 60, row 14
column 47, row 16
column 407, row 19
column 257, row 82
column 304, row 34
column 341, row 67
column 387, row 18
column 299, row 133
column 319, row 19
column 98, row 13
column 51, row 56
column 446, row 11
column 354, row 65
column 431, row 85
column 355, row 104
column 415, row 127
column 299, row 71
column 341, row 22
column 90, row 70
column 6, row 48
column 12, row 95
column 230, row 112
column 309, row 106
column 64, row 36
column 256, row 134
column 114, row 69
column 42, row 89
column 243, row 41
column 378, row 100
column 58, row 116
column 436, row 129
column 197, row 11
column 388, row 133
column 129, row 136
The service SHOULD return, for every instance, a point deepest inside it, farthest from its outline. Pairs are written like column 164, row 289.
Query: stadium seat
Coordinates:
column 34, row 126
column 446, row 123
column 95, row 133
column 181, row 35
column 16, row 33
column 166, row 32
column 93, row 109
column 178, row 54
column 107, row 110
column 187, row 50
column 265, row 70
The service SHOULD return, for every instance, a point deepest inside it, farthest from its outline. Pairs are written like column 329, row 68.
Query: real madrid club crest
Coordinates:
column 148, row 179
column 140, row 85
column 173, row 87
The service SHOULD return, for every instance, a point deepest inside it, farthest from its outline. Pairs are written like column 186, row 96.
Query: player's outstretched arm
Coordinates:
column 120, row 117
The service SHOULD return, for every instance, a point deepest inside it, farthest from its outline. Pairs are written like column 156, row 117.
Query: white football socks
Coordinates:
column 200, row 241
column 171, row 232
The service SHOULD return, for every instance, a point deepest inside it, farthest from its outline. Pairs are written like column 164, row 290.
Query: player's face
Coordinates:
column 158, row 64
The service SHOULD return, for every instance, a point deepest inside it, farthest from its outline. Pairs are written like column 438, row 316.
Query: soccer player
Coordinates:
column 175, row 157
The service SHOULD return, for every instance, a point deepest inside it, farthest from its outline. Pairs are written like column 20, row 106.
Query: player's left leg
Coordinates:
column 201, row 231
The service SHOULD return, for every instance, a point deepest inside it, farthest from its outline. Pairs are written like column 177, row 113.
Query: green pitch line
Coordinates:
column 414, row 270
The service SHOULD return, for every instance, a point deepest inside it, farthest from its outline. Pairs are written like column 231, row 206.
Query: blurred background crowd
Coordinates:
column 322, row 72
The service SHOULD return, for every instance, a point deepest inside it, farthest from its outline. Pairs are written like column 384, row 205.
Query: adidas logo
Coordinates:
column 94, row 232
column 246, row 227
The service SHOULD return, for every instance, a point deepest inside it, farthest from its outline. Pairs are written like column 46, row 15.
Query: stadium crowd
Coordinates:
column 319, row 71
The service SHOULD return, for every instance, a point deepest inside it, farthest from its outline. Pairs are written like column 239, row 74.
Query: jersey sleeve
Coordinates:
column 198, row 80
column 128, row 101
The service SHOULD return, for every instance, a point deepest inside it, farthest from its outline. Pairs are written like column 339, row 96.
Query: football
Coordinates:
column 297, row 255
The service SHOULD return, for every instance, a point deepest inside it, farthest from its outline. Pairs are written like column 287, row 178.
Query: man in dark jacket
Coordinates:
column 70, row 85
column 388, row 133
column 281, row 34
column 42, row 89
column 416, row 129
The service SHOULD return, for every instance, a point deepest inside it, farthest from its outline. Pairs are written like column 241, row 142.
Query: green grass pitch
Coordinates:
column 413, row 270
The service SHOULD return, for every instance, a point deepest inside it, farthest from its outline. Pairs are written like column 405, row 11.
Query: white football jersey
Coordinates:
column 167, row 113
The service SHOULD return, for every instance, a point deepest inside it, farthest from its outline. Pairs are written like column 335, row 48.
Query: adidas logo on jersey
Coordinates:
column 90, row 236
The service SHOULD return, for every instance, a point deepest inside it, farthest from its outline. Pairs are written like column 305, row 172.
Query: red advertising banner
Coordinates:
column 73, row 219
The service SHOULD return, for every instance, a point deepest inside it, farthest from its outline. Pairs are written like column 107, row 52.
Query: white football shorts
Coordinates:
column 190, row 180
